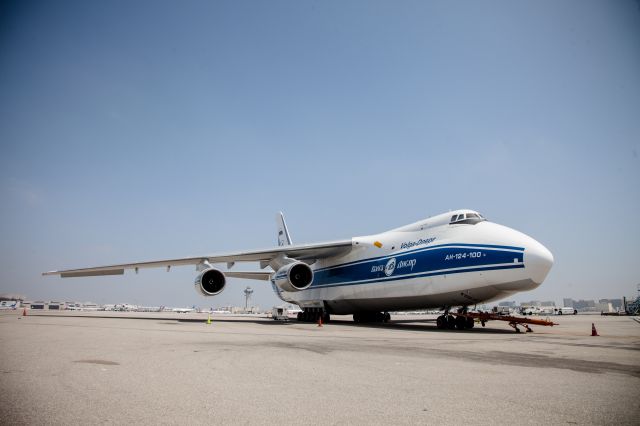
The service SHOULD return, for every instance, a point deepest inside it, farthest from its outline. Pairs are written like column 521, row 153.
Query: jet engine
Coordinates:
column 295, row 276
column 210, row 282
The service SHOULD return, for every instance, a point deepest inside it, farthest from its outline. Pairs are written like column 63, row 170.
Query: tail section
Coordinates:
column 284, row 239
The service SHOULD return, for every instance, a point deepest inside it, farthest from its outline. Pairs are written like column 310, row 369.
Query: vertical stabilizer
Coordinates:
column 284, row 239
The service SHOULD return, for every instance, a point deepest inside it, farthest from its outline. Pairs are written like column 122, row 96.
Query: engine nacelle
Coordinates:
column 210, row 282
column 295, row 276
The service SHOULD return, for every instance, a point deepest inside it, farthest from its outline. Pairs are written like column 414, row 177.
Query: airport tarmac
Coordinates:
column 165, row 368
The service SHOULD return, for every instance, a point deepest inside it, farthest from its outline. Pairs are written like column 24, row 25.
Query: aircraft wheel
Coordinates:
column 461, row 323
column 387, row 317
column 441, row 322
column 356, row 318
column 470, row 323
column 451, row 322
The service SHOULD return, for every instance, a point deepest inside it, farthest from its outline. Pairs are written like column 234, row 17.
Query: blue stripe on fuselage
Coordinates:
column 389, row 256
column 428, row 274
column 429, row 261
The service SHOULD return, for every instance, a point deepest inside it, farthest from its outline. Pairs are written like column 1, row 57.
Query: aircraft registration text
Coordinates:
column 465, row 255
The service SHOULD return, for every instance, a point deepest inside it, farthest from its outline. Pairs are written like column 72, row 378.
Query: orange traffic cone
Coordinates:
column 24, row 312
column 593, row 330
column 320, row 321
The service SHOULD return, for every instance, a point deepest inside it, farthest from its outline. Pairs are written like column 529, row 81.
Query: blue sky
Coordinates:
column 143, row 130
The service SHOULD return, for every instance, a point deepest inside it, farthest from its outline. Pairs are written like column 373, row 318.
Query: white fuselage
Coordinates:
column 430, row 263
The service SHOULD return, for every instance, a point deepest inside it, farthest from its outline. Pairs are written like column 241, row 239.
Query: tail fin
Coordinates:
column 284, row 239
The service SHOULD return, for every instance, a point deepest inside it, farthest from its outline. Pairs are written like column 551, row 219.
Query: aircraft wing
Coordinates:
column 305, row 252
column 257, row 275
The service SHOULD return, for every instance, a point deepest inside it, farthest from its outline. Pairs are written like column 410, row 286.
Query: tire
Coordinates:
column 461, row 323
column 441, row 322
column 451, row 322
column 470, row 323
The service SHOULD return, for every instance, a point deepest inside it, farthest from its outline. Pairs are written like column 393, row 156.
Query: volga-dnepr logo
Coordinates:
column 390, row 267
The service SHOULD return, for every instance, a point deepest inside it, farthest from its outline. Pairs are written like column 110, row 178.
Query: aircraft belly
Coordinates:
column 419, row 293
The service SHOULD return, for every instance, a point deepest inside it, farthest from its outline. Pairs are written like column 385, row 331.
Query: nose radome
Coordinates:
column 538, row 260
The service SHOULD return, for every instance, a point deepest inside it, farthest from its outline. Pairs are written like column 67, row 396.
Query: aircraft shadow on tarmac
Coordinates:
column 413, row 325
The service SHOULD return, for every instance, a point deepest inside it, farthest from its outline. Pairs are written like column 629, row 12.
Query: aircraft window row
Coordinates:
column 471, row 218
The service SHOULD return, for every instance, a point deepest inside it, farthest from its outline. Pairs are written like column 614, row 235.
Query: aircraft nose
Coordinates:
column 538, row 260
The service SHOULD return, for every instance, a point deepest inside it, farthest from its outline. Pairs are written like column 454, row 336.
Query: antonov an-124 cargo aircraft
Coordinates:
column 456, row 259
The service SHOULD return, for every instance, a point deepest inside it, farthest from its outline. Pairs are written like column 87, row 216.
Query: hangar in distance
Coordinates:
column 455, row 259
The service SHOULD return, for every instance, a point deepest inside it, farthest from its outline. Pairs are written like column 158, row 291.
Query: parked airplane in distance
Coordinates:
column 183, row 310
column 453, row 259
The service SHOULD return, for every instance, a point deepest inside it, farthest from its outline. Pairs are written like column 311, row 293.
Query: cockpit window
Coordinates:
column 470, row 219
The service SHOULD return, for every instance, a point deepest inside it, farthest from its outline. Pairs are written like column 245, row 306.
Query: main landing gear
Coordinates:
column 313, row 315
column 450, row 322
column 360, row 317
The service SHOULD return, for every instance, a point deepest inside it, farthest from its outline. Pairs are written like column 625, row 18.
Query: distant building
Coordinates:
column 508, row 304
column 568, row 303
column 548, row 303
column 604, row 307
column 242, row 310
column 616, row 304
column 38, row 305
column 584, row 304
